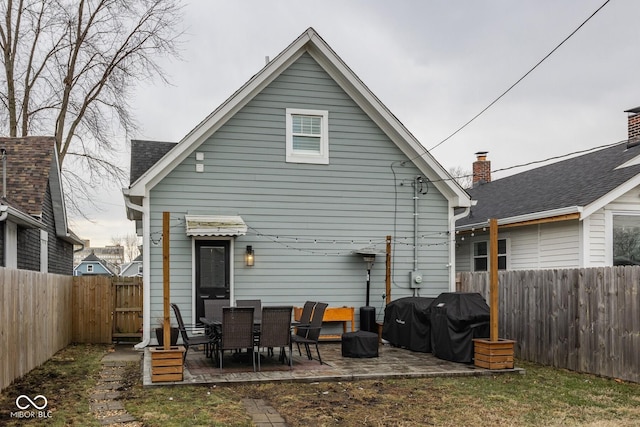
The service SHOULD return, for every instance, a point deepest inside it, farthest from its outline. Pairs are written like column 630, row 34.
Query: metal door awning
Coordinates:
column 215, row 225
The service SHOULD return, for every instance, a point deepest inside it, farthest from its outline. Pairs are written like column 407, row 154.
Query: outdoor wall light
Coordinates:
column 249, row 256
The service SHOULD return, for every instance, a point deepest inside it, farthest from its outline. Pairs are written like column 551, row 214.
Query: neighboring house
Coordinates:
column 113, row 254
column 576, row 213
column 133, row 268
column 94, row 266
column 275, row 194
column 34, row 233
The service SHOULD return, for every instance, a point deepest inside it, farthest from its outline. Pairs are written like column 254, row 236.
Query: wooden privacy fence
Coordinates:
column 35, row 320
column 106, row 309
column 586, row 320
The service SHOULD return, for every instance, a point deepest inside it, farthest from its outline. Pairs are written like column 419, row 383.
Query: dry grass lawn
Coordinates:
column 542, row 397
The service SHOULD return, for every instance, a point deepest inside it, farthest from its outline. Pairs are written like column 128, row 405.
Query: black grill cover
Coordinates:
column 406, row 323
column 456, row 319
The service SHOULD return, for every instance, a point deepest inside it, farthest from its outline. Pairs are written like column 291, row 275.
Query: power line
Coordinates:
column 520, row 79
column 453, row 178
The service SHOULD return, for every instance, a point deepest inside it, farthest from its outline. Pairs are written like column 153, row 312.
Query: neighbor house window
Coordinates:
column 481, row 255
column 626, row 239
column 307, row 136
column 90, row 268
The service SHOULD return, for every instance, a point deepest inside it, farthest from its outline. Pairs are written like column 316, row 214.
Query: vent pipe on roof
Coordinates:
column 3, row 153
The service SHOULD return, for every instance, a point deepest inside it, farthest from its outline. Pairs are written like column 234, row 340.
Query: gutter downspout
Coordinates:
column 415, row 229
column 146, row 241
column 452, row 246
column 3, row 154
column 4, row 209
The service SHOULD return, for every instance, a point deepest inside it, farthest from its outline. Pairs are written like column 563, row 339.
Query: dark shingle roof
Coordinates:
column 28, row 167
column 145, row 154
column 577, row 181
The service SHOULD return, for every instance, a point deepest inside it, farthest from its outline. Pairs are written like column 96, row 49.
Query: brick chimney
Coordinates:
column 481, row 169
column 633, row 126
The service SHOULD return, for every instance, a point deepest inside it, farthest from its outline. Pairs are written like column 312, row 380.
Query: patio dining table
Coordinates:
column 213, row 326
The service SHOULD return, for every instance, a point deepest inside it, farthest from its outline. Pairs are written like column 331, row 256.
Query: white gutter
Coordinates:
column 146, row 272
column 524, row 218
column 4, row 212
column 452, row 247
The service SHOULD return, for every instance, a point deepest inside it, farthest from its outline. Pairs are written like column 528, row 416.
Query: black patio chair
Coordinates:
column 255, row 303
column 237, row 332
column 275, row 331
column 305, row 320
column 191, row 340
column 307, row 335
column 213, row 308
column 307, row 311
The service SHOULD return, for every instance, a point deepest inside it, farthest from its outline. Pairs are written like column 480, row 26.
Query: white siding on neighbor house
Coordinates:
column 305, row 220
column 524, row 247
column 559, row 245
column 542, row 246
column 596, row 248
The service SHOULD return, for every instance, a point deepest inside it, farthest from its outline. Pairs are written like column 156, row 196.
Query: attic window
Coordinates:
column 90, row 268
column 307, row 136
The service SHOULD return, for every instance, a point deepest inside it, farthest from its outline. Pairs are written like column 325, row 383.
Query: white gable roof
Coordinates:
column 309, row 42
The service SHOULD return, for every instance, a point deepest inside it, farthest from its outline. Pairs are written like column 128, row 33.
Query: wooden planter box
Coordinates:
column 493, row 354
column 167, row 365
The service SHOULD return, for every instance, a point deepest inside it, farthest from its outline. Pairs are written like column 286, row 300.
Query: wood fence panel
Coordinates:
column 586, row 320
column 127, row 308
column 35, row 320
column 93, row 309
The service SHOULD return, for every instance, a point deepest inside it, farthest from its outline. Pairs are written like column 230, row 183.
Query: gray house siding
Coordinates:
column 28, row 249
column 305, row 219
column 59, row 253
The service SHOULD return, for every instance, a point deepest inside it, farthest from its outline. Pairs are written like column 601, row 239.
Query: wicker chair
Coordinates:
column 255, row 303
column 275, row 331
column 236, row 332
column 213, row 308
column 308, row 335
column 188, row 340
column 307, row 310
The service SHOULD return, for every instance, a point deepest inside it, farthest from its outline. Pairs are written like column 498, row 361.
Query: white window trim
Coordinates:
column 608, row 221
column 506, row 254
column 298, row 157
column 89, row 268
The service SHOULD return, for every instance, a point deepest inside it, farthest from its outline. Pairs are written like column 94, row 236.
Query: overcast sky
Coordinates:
column 434, row 64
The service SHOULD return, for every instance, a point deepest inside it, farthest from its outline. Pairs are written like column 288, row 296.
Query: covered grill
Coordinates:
column 407, row 324
column 456, row 319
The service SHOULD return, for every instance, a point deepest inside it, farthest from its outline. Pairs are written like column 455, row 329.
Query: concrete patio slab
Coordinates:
column 392, row 362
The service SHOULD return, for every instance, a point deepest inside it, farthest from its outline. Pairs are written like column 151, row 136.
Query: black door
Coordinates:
column 212, row 272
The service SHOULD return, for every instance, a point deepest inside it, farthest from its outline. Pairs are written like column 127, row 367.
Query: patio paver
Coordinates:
column 392, row 362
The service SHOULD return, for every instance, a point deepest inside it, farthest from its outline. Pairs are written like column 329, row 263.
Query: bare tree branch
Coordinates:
column 69, row 70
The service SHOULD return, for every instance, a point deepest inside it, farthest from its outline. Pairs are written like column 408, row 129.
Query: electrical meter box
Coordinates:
column 415, row 279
